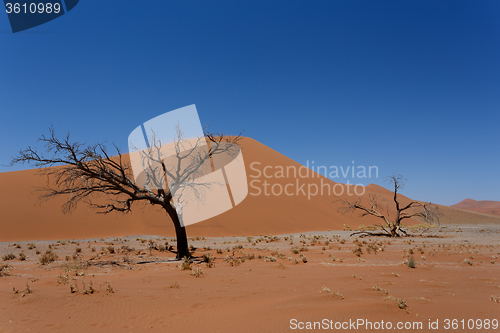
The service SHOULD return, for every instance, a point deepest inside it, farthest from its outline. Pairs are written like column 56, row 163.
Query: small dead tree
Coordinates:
column 391, row 227
column 88, row 174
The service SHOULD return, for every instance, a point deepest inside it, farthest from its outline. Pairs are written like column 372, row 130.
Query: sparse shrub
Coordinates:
column 175, row 285
column 411, row 262
column 209, row 260
column 111, row 249
column 5, row 270
column 401, row 303
column 235, row 261
column 495, row 299
column 37, row 252
column 357, row 251
column 270, row 258
column 31, row 246
column 24, row 292
column 63, row 279
column 281, row 265
column 110, row 289
column 304, row 258
column 219, row 251
column 126, row 259
column 185, row 264
column 48, row 257
column 197, row 272
column 468, row 262
column 22, row 256
column 295, row 250
column 89, row 289
column 335, row 294
column 10, row 256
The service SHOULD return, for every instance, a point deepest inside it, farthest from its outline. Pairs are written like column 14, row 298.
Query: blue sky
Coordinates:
column 408, row 86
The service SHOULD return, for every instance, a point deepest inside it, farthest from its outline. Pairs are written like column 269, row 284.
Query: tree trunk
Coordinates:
column 180, row 233
column 182, row 243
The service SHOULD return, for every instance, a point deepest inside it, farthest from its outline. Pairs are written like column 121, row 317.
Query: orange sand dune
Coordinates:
column 23, row 219
column 485, row 207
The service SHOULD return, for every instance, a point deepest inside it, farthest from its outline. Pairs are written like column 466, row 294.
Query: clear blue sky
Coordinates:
column 408, row 86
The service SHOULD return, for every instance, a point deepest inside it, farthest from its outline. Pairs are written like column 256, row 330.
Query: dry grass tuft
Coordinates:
column 468, row 262
column 5, row 270
column 185, row 264
column 197, row 272
column 10, row 256
column 48, row 257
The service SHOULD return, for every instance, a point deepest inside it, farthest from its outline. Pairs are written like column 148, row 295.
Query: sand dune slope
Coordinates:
column 484, row 207
column 23, row 219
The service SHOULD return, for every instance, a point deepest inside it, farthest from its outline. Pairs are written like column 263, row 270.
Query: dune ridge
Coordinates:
column 25, row 219
column 484, row 206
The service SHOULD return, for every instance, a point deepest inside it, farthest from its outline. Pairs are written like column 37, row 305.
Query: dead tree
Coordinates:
column 88, row 174
column 391, row 227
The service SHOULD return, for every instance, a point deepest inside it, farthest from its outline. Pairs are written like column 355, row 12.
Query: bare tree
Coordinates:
column 428, row 212
column 88, row 174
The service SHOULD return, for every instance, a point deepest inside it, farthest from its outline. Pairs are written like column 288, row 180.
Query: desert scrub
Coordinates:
column 10, row 256
column 48, row 257
column 400, row 302
column 89, row 289
column 5, row 270
column 411, row 262
column 304, row 258
column 295, row 250
column 208, row 259
column 335, row 293
column 468, row 262
column 22, row 256
column 24, row 292
column 31, row 246
column 495, row 299
column 185, row 264
column 357, row 251
column 197, row 272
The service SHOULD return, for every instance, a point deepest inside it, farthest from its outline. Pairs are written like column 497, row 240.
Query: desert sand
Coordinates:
column 256, row 284
column 484, row 206
column 273, row 259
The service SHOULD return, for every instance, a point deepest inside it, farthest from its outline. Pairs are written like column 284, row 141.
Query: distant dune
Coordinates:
column 24, row 219
column 484, row 207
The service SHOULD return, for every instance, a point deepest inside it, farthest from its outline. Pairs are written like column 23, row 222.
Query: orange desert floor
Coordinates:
column 322, row 280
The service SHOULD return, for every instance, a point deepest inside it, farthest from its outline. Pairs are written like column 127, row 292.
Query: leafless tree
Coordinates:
column 427, row 212
column 88, row 174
